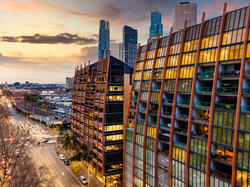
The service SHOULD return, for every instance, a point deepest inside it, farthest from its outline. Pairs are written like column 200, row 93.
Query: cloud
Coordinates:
column 63, row 38
column 13, row 16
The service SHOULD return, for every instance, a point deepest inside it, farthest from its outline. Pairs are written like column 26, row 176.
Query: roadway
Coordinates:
column 46, row 155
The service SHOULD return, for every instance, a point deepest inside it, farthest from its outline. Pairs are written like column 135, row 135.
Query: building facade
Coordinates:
column 188, row 122
column 129, row 45
column 69, row 82
column 156, row 26
column 121, row 51
column 104, row 38
column 184, row 11
column 97, row 115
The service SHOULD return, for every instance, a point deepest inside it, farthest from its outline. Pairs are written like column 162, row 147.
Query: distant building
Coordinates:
column 184, row 11
column 156, row 26
column 69, row 82
column 27, row 83
column 121, row 51
column 104, row 39
column 6, row 85
column 129, row 45
column 17, row 84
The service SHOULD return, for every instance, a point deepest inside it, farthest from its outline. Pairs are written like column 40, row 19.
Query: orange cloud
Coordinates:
column 13, row 16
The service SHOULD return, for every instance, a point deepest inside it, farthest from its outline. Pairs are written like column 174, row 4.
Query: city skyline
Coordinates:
column 44, row 42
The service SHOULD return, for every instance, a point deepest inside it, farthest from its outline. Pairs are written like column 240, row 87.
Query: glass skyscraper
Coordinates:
column 156, row 26
column 104, row 38
column 129, row 45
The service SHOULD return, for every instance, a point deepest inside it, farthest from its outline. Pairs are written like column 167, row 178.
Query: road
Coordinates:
column 63, row 177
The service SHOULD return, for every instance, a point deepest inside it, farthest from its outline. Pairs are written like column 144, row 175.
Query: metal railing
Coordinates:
column 156, row 89
column 234, row 73
column 225, row 106
column 153, row 111
column 245, row 108
column 180, row 144
column 182, row 116
column 183, row 102
column 201, row 120
column 152, row 123
column 221, row 176
column 164, row 113
column 164, row 138
column 207, row 74
column 246, row 91
column 247, row 73
column 204, row 89
column 165, row 127
column 167, row 101
column 228, row 90
column 202, row 104
column 142, row 121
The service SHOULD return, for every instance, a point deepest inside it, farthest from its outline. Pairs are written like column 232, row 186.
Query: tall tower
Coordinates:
column 129, row 45
column 184, row 11
column 121, row 51
column 156, row 26
column 104, row 38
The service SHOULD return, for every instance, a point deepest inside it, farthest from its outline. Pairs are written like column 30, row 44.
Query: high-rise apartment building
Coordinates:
column 184, row 11
column 189, row 117
column 69, row 82
column 98, row 105
column 129, row 45
column 156, row 26
column 104, row 38
column 121, row 51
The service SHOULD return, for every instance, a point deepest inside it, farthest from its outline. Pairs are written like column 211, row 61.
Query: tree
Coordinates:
column 17, row 167
column 84, row 154
column 31, row 97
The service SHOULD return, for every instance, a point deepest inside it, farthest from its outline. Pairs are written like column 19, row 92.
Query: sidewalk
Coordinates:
column 93, row 182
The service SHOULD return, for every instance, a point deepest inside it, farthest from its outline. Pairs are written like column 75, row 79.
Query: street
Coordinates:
column 45, row 155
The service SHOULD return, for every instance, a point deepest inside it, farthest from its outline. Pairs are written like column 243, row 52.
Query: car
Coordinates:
column 61, row 157
column 83, row 180
column 44, row 141
column 52, row 141
column 66, row 162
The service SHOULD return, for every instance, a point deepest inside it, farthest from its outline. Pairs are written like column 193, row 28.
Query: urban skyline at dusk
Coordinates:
column 43, row 41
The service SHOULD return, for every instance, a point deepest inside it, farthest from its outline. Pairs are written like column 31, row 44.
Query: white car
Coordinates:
column 61, row 157
column 83, row 180
column 51, row 141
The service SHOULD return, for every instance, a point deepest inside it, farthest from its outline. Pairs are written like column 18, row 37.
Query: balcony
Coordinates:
column 246, row 91
column 205, row 75
column 182, row 117
column 134, row 98
column 183, row 103
column 164, row 139
column 228, row 90
column 202, row 105
column 229, row 107
column 165, row 127
column 164, row 152
column 131, row 117
column 204, row 90
column 154, row 112
column 180, row 130
column 199, row 120
column 153, row 124
column 141, row 121
column 143, row 110
column 200, row 135
column 167, row 101
column 221, row 176
column 179, row 144
column 156, row 89
column 247, row 73
column 245, row 108
column 229, row 74
column 166, row 114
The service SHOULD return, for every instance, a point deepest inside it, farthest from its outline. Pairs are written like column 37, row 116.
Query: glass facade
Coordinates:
column 174, row 141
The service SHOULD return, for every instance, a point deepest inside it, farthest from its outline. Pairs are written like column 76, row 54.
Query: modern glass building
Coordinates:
column 189, row 115
column 156, row 26
column 104, row 39
column 98, row 102
column 129, row 45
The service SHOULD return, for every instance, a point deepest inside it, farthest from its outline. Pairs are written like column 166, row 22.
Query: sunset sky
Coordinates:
column 44, row 40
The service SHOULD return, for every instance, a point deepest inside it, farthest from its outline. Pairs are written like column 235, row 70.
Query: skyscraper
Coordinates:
column 104, row 39
column 156, row 26
column 129, row 45
column 184, row 11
